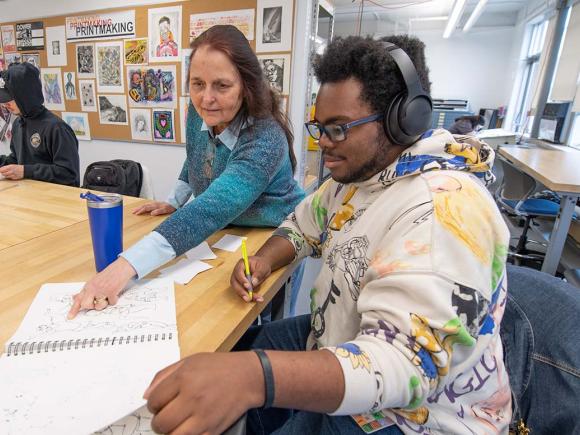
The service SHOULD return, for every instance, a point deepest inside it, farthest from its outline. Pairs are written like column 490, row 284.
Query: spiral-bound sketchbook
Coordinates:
column 76, row 376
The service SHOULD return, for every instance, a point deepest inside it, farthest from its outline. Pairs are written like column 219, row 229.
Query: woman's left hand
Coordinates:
column 103, row 289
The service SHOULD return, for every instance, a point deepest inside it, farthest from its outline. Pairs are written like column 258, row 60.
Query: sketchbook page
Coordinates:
column 77, row 392
column 136, row 423
column 146, row 308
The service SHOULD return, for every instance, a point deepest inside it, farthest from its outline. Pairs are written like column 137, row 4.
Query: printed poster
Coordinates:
column 30, row 36
column 243, row 19
column 112, row 25
column 152, row 86
column 165, row 34
column 8, row 38
column 56, row 46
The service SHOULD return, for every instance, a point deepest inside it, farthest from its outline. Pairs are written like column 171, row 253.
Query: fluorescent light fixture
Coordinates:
column 454, row 18
column 437, row 18
column 475, row 15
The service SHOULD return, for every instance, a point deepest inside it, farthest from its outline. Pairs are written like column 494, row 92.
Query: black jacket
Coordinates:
column 41, row 141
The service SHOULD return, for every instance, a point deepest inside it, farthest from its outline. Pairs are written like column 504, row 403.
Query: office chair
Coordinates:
column 513, row 196
column 146, row 184
column 539, row 332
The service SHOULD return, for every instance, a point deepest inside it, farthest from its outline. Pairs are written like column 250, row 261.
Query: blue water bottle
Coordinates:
column 106, row 221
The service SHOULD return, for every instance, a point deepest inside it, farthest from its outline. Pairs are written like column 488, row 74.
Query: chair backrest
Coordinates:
column 541, row 340
column 147, row 190
column 516, row 185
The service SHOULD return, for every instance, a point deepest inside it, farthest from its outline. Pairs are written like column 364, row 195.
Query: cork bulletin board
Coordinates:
column 144, row 100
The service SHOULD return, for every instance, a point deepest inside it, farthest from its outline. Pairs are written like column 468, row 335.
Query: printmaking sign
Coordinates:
column 112, row 25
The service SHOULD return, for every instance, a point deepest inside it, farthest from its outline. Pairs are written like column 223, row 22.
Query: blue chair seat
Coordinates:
column 534, row 207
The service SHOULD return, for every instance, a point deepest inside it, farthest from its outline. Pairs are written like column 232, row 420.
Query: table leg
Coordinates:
column 559, row 234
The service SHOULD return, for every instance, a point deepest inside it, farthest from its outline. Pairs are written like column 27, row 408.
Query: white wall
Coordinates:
column 163, row 161
column 476, row 66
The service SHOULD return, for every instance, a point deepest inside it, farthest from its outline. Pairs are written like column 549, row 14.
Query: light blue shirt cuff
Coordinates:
column 180, row 195
column 149, row 253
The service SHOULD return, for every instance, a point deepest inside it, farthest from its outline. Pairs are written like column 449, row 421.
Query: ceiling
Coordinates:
column 418, row 12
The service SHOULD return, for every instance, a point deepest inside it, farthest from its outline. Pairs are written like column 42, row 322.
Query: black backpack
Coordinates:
column 115, row 176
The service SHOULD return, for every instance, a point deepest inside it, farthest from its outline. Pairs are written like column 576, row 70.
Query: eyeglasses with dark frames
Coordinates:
column 337, row 132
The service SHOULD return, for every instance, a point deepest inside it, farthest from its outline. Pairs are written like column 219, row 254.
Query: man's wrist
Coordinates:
column 255, row 383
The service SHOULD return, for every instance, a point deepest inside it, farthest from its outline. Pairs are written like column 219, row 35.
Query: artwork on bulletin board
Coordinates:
column 136, row 51
column 56, row 46
column 79, row 122
column 109, row 25
column 70, row 88
column 30, row 36
column 163, row 127
column 52, row 90
column 110, row 67
column 276, row 69
column 85, row 54
column 243, row 19
column 186, row 57
column 2, row 63
column 88, row 97
column 12, row 58
column 141, row 124
column 8, row 38
column 113, row 109
column 5, row 124
column 274, row 25
column 152, row 86
column 33, row 58
column 165, row 34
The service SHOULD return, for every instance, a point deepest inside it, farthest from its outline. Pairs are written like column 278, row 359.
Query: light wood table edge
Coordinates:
column 557, row 187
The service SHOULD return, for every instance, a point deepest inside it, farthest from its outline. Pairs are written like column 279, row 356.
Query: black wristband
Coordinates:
column 268, row 378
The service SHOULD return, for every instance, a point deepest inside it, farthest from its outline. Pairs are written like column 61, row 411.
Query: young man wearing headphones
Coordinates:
column 405, row 313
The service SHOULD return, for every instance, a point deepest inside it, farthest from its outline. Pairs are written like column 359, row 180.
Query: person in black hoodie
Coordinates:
column 43, row 146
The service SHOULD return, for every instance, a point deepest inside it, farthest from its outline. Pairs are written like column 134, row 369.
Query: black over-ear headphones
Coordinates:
column 409, row 114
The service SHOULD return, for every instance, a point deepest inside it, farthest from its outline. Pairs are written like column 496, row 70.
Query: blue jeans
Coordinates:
column 541, row 340
column 291, row 334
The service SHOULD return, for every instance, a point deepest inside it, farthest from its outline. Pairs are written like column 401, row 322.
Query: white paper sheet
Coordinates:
column 184, row 270
column 229, row 242
column 147, row 308
column 77, row 391
column 201, row 252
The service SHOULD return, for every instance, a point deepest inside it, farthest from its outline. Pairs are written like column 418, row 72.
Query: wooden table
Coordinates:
column 209, row 316
column 30, row 208
column 560, row 172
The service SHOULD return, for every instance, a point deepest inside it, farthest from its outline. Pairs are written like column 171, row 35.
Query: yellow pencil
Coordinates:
column 247, row 266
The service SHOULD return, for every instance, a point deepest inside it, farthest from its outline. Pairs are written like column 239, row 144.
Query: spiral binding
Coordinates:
column 28, row 348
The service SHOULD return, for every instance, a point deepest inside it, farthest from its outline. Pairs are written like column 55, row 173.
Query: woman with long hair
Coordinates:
column 238, row 169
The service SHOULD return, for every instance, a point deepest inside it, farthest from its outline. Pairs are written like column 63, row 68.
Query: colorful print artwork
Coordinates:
column 165, row 34
column 110, row 67
column 52, row 88
column 163, row 126
column 136, row 51
column 152, row 87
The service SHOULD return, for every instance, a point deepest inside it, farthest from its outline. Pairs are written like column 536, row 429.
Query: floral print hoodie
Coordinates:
column 412, row 288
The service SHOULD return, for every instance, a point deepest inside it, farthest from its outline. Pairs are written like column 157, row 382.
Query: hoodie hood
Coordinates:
column 440, row 150
column 23, row 82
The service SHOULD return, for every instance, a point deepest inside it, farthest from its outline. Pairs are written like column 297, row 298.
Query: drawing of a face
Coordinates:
column 164, row 29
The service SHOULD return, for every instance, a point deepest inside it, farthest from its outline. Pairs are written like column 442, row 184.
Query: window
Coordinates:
column 528, row 85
